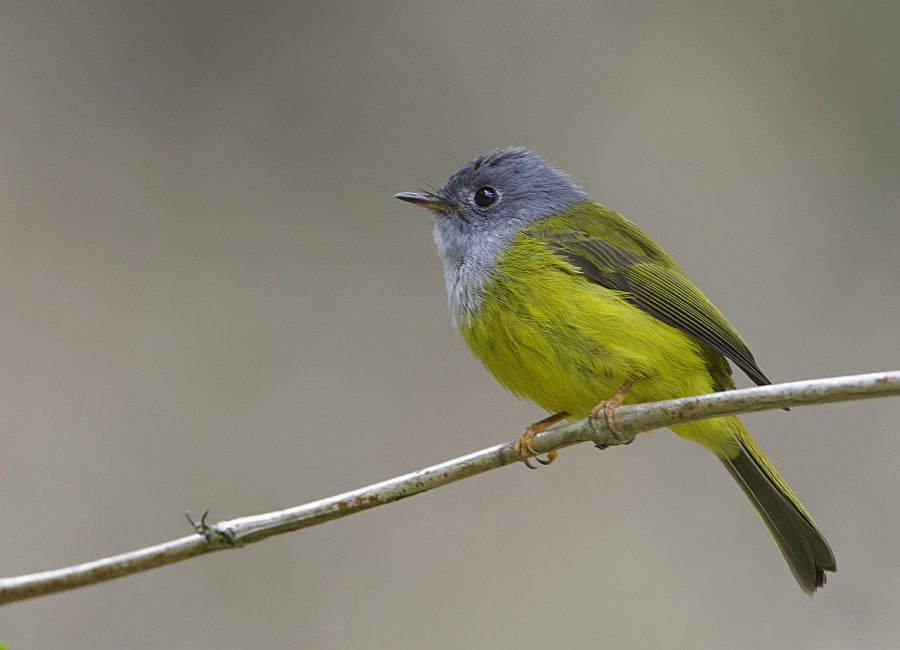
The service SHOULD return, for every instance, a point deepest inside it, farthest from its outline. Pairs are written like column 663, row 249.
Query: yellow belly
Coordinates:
column 565, row 343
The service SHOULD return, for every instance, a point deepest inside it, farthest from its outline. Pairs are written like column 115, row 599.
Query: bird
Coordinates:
column 575, row 309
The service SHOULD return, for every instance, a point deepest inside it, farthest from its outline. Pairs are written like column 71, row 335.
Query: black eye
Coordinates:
column 485, row 196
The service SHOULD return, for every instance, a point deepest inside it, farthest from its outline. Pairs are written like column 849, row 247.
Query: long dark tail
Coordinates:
column 800, row 541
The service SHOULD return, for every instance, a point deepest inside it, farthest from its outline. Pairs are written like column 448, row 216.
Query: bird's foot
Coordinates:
column 523, row 447
column 608, row 408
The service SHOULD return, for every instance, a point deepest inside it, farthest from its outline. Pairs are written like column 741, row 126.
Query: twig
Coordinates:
column 630, row 419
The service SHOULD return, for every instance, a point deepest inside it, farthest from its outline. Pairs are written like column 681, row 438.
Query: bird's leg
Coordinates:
column 609, row 406
column 525, row 451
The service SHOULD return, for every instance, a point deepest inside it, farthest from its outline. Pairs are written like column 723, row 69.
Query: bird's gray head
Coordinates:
column 480, row 209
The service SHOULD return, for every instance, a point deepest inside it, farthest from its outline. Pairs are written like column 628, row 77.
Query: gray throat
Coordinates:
column 469, row 265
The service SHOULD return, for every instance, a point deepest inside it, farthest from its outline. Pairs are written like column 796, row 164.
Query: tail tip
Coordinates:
column 821, row 577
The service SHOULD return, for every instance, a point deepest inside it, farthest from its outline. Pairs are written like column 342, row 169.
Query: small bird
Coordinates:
column 575, row 309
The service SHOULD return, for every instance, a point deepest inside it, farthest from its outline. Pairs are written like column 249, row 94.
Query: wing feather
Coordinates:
column 659, row 289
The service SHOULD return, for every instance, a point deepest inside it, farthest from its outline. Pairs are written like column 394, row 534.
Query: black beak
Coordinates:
column 427, row 200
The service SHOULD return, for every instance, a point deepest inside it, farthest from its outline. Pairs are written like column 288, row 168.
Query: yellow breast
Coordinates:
column 565, row 343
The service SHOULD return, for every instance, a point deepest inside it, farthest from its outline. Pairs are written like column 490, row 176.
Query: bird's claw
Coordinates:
column 526, row 452
column 608, row 407
column 524, row 449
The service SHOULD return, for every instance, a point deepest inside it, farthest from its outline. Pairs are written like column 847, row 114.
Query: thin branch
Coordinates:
column 631, row 419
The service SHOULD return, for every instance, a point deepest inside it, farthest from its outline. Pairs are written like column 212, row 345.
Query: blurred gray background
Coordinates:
column 211, row 299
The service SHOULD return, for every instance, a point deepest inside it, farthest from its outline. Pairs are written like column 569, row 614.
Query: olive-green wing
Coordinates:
column 661, row 291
